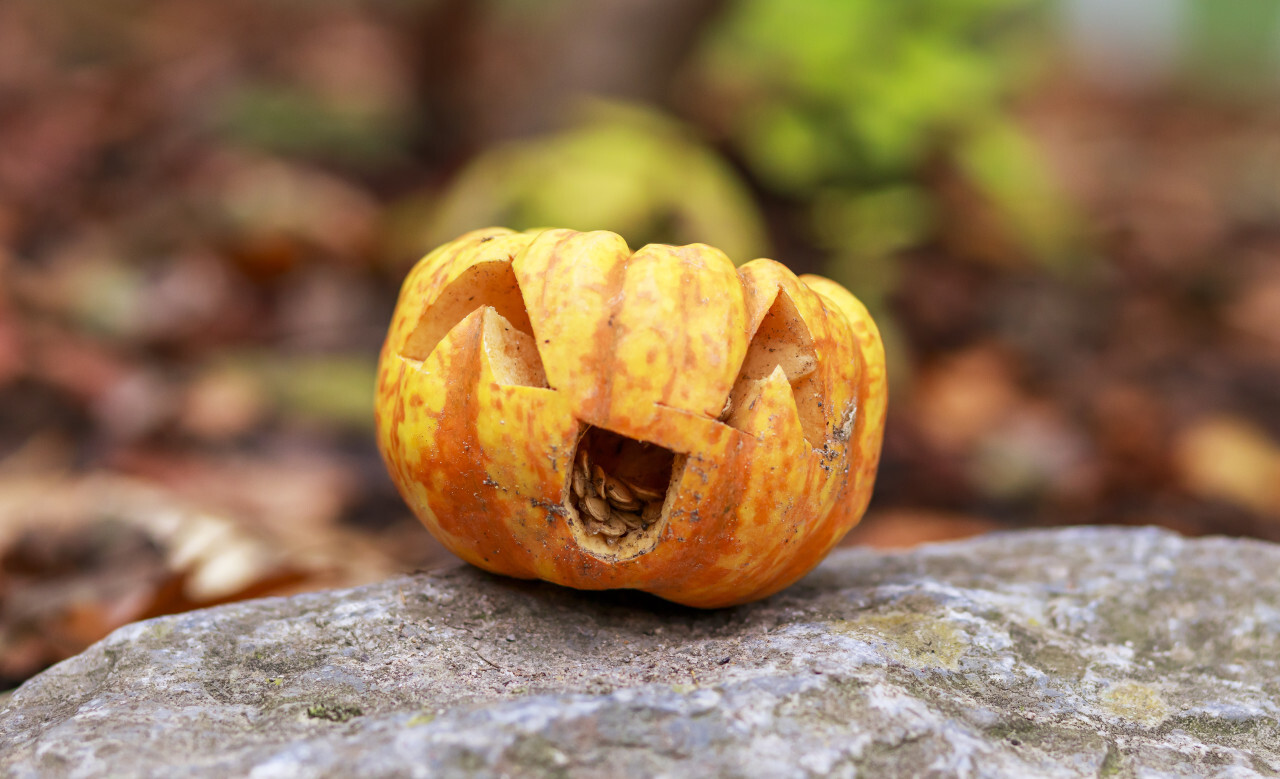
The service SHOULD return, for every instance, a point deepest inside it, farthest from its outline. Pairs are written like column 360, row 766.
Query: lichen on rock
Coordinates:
column 1074, row 652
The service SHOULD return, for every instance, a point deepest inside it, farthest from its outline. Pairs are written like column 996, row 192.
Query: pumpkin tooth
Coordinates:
column 579, row 484
column 651, row 512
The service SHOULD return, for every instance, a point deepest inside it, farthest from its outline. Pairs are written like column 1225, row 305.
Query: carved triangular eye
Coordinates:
column 781, row 341
column 508, row 335
column 513, row 354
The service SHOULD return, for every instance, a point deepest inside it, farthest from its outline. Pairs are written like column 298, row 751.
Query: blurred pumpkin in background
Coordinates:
column 553, row 405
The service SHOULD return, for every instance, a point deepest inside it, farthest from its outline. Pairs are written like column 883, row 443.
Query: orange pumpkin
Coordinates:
column 553, row 405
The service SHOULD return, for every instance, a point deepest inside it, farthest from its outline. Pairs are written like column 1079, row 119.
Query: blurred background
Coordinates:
column 1064, row 214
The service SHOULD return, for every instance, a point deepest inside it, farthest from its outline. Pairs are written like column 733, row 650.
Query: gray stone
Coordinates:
column 1073, row 652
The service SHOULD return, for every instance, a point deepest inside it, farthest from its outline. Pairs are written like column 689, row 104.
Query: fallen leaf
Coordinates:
column 1230, row 459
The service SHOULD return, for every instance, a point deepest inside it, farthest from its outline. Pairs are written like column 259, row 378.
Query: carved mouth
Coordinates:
column 618, row 493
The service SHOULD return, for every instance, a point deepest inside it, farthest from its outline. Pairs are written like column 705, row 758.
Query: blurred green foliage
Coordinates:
column 323, row 391
column 845, row 108
column 833, row 90
column 1231, row 42
column 289, row 120
column 328, row 390
column 845, row 104
column 620, row 168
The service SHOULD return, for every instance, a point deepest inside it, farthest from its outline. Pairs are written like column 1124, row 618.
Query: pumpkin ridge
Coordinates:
column 607, row 332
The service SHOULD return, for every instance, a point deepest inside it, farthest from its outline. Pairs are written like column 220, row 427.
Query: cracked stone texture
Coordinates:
column 1072, row 652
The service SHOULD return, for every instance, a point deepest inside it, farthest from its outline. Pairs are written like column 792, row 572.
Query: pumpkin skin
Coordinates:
column 751, row 399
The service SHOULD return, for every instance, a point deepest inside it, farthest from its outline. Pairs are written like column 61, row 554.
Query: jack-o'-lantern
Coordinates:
column 553, row 405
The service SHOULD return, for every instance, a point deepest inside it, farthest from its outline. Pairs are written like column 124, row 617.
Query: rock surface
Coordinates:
column 1075, row 652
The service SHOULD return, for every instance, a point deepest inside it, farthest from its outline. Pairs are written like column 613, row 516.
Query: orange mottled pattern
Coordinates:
column 646, row 344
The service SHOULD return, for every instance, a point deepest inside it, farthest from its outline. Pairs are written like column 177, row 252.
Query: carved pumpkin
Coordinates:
column 552, row 405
